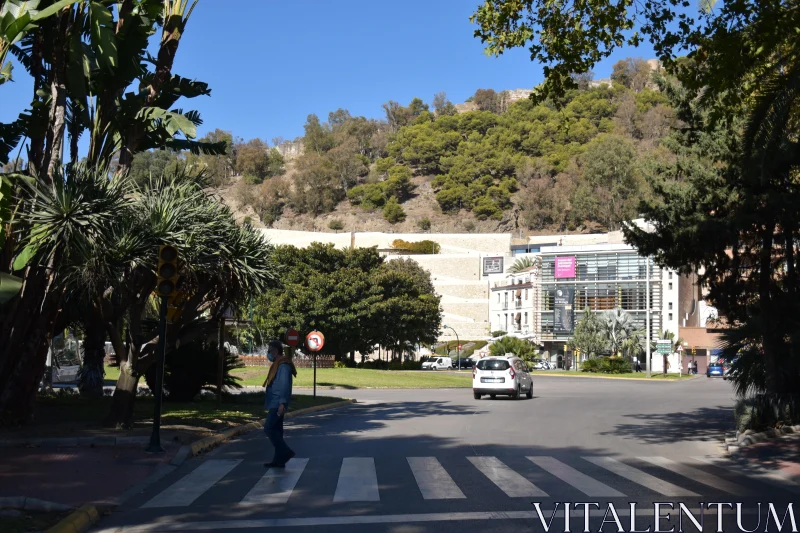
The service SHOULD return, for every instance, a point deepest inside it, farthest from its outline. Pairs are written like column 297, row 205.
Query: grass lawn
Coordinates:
column 363, row 378
column 71, row 416
column 627, row 375
column 30, row 521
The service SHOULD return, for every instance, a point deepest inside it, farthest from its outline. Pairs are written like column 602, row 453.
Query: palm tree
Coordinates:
column 524, row 263
column 618, row 326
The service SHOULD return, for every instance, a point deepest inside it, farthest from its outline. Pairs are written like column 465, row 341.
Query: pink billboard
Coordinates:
column 565, row 267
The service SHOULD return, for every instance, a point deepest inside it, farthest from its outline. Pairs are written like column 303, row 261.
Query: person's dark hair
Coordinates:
column 277, row 345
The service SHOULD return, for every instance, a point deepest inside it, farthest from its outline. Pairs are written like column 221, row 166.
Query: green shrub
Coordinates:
column 498, row 333
column 591, row 365
column 412, row 365
column 377, row 364
column 192, row 368
column 368, row 196
column 393, row 211
column 396, row 364
column 424, row 224
column 469, row 226
column 614, row 365
column 339, row 364
column 421, row 247
column 336, row 225
column 762, row 411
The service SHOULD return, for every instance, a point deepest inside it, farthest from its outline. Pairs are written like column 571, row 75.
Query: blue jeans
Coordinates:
column 273, row 429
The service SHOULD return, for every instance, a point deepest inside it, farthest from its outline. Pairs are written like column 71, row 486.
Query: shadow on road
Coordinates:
column 703, row 424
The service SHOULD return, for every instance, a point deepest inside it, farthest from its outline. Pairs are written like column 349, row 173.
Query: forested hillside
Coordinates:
column 498, row 167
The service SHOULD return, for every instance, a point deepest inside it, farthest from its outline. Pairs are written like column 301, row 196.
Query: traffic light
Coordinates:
column 167, row 270
column 175, row 303
column 693, row 350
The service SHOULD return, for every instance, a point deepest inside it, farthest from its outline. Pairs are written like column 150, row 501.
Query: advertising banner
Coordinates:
column 565, row 267
column 492, row 265
column 564, row 316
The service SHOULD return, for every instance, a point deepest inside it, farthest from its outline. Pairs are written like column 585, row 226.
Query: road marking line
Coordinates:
column 190, row 487
column 579, row 480
column 433, row 480
column 696, row 474
column 771, row 478
column 642, row 478
column 358, row 481
column 510, row 482
column 274, row 523
column 276, row 485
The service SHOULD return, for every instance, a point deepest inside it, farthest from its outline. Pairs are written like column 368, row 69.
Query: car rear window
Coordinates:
column 493, row 364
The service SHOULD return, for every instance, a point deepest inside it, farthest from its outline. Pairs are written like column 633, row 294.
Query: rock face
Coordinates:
column 290, row 149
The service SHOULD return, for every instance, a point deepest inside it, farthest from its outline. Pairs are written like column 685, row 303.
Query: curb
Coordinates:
column 32, row 504
column 206, row 444
column 78, row 521
column 748, row 438
column 74, row 442
column 585, row 375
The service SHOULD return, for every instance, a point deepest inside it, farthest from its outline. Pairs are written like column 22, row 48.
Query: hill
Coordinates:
column 497, row 163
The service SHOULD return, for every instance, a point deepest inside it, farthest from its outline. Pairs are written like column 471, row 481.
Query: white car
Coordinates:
column 506, row 375
column 438, row 364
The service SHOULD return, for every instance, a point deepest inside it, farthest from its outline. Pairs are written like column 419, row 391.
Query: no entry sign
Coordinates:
column 315, row 341
column 292, row 337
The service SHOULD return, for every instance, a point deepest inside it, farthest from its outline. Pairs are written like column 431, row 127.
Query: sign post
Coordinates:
column 315, row 341
column 664, row 347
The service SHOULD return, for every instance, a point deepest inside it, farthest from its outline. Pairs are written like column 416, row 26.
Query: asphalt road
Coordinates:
column 408, row 461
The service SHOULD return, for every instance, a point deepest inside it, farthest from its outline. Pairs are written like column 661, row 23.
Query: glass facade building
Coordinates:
column 600, row 278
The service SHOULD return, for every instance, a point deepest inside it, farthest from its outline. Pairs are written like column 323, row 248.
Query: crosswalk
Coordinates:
column 357, row 479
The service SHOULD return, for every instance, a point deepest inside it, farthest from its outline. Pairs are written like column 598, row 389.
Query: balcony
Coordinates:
column 518, row 304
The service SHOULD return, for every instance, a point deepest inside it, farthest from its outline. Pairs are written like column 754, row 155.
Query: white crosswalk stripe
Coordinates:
column 579, row 480
column 358, row 481
column 189, row 488
column 701, row 476
column 642, row 478
column 770, row 478
column 276, row 485
column 506, row 479
column 433, row 480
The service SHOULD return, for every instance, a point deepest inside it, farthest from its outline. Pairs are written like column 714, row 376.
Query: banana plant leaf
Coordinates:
column 9, row 287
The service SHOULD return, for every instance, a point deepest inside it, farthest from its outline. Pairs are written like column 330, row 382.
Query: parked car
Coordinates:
column 715, row 370
column 439, row 363
column 541, row 364
column 505, row 376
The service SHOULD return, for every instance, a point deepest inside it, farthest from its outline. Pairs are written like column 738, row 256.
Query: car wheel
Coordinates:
column 493, row 396
column 529, row 394
column 516, row 394
column 476, row 395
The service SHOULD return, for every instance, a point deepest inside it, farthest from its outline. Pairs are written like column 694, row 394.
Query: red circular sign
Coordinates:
column 315, row 341
column 292, row 337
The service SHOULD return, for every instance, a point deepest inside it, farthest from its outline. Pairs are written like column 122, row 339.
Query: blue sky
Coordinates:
column 270, row 63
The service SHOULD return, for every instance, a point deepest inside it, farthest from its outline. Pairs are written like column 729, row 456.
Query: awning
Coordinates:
column 519, row 293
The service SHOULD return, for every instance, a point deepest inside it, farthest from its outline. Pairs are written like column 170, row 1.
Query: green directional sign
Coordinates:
column 664, row 347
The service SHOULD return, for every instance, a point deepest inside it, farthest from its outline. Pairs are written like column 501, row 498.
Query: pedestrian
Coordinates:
column 278, row 396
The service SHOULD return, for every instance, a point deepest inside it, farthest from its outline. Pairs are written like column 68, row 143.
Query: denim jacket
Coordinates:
column 280, row 391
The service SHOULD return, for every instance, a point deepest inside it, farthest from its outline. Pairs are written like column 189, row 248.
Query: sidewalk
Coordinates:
column 75, row 476
column 780, row 455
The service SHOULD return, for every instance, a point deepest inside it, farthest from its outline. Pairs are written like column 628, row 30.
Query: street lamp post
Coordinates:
column 458, row 347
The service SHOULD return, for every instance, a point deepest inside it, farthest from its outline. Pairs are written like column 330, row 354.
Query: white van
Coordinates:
column 440, row 363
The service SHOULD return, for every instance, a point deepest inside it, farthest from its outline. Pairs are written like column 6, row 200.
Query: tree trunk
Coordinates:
column 54, row 149
column 24, row 341
column 121, row 414
column 90, row 382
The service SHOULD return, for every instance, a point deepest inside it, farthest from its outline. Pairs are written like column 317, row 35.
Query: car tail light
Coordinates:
column 474, row 371
column 511, row 371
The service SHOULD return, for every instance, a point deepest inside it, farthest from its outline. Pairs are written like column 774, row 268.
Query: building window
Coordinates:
column 526, row 319
column 670, row 274
column 498, row 297
column 526, row 295
column 670, row 306
column 670, row 286
column 670, row 316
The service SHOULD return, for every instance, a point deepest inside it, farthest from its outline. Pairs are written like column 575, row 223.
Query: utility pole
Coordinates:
column 647, row 313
